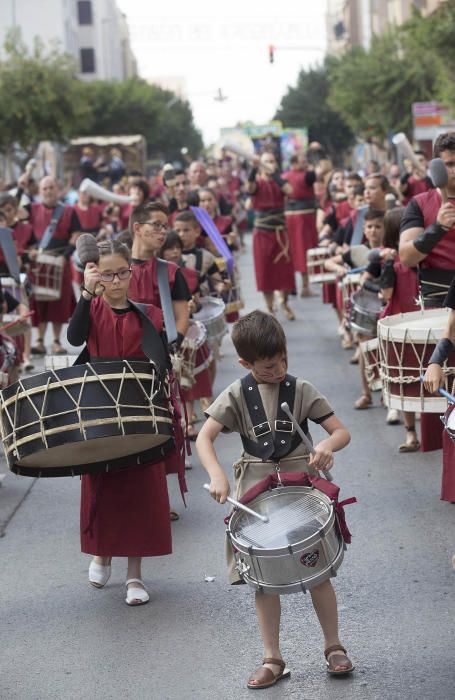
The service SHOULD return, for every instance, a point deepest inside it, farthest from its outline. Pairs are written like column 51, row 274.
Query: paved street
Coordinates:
column 61, row 639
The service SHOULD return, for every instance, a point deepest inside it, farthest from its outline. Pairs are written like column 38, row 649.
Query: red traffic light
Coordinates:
column 271, row 51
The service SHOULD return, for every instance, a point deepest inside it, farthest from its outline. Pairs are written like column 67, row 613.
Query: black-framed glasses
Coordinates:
column 156, row 226
column 121, row 274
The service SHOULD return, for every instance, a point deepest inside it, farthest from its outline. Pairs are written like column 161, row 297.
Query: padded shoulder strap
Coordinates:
column 164, row 289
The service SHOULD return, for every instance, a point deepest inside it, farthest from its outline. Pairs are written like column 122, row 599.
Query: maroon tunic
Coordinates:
column 23, row 236
column 301, row 220
column 90, row 218
column 448, row 466
column 272, row 259
column 414, row 188
column 54, row 311
column 123, row 513
column 443, row 254
column 144, row 282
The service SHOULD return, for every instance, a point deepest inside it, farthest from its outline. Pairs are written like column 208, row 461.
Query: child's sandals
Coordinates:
column 264, row 677
column 337, row 664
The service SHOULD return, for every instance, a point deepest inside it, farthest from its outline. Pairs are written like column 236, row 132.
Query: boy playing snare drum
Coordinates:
column 251, row 407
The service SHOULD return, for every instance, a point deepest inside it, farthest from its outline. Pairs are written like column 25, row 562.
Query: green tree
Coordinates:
column 305, row 105
column 373, row 90
column 39, row 95
column 136, row 107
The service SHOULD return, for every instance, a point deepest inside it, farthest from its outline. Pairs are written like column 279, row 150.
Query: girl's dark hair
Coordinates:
column 143, row 186
column 359, row 189
column 444, row 142
column 115, row 247
column 188, row 217
column 392, row 221
column 172, row 241
column 7, row 198
column 258, row 336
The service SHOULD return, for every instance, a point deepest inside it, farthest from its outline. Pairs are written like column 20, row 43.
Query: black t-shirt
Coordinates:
column 412, row 217
column 450, row 298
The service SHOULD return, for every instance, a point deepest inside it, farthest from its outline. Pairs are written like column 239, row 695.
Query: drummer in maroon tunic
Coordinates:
column 434, row 378
column 62, row 243
column 301, row 215
column 272, row 257
column 123, row 513
column 416, row 180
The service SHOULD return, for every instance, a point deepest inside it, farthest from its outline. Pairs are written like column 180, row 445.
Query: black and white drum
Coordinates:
column 85, row 418
column 298, row 548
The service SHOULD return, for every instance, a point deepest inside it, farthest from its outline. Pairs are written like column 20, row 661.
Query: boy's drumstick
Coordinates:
column 13, row 323
column 306, row 442
column 239, row 505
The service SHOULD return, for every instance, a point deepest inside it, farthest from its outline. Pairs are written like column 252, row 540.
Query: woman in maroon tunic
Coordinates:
column 272, row 258
column 123, row 513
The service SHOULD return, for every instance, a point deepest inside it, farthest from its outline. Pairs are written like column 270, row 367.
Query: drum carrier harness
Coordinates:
column 271, row 447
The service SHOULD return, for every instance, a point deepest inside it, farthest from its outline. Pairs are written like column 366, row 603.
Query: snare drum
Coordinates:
column 84, row 418
column 195, row 339
column 406, row 343
column 349, row 284
column 47, row 276
column 211, row 315
column 364, row 312
column 370, row 352
column 298, row 548
column 315, row 265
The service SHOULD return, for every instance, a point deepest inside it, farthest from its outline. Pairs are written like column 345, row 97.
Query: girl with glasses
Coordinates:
column 123, row 513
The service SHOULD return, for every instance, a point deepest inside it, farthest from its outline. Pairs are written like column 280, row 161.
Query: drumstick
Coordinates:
column 239, row 505
column 355, row 270
column 305, row 440
column 443, row 392
column 12, row 323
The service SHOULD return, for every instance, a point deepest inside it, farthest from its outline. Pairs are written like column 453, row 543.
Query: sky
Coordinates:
column 209, row 45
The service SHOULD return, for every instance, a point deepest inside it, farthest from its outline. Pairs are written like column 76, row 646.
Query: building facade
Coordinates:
column 94, row 32
column 354, row 22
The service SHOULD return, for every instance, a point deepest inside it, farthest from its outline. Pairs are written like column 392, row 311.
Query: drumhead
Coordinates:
column 211, row 308
column 196, row 335
column 417, row 325
column 368, row 301
column 295, row 514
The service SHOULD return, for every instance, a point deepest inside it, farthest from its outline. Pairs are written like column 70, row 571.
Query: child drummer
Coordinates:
column 261, row 346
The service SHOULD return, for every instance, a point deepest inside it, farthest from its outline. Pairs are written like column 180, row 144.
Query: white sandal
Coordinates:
column 98, row 575
column 139, row 595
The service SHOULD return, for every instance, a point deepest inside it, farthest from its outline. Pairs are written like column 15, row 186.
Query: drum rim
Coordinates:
column 279, row 551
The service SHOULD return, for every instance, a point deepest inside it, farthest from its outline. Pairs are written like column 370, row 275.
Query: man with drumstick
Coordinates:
column 434, row 379
column 63, row 222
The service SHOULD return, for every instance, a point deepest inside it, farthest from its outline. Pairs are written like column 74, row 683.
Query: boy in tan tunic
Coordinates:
column 261, row 345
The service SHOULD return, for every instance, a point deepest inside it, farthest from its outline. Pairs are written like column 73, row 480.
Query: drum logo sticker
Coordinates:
column 310, row 558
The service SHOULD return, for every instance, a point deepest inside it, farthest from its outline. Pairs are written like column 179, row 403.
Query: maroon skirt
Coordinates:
column 126, row 513
column 272, row 263
column 303, row 235
column 448, row 468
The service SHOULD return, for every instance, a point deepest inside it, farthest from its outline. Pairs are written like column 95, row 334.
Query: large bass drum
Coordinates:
column 300, row 547
column 86, row 418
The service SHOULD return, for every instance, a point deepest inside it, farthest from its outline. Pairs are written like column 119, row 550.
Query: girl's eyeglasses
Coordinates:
column 121, row 274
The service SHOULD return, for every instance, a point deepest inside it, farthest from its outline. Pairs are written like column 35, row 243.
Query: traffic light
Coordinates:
column 271, row 50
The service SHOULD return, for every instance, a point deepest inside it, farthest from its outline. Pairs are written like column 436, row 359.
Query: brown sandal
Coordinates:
column 337, row 660
column 174, row 515
column 265, row 676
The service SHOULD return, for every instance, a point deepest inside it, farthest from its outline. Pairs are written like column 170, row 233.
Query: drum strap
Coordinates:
column 164, row 289
column 49, row 232
column 357, row 234
column 10, row 253
column 269, row 446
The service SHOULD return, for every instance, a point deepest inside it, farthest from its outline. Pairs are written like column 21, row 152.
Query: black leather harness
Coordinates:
column 271, row 446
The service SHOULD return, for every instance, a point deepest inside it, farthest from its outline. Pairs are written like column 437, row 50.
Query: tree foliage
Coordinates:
column 135, row 107
column 39, row 95
column 42, row 99
column 306, row 105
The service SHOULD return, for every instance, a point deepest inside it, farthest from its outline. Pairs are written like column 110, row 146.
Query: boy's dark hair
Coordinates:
column 383, row 181
column 258, row 336
column 359, row 189
column 126, row 238
column 188, row 217
column 392, row 221
column 141, row 213
column 372, row 214
column 172, row 240
column 444, row 142
column 354, row 176
column 180, row 172
column 294, row 159
column 7, row 198
column 420, row 153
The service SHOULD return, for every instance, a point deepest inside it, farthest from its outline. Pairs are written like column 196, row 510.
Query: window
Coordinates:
column 84, row 11
column 87, row 60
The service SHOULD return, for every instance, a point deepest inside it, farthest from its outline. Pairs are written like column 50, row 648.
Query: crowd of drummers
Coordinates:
column 145, row 273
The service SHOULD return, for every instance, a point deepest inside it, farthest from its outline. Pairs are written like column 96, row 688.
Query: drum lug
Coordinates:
column 242, row 568
column 303, row 588
column 333, row 572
